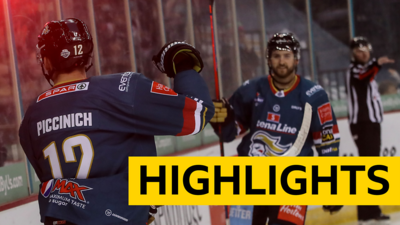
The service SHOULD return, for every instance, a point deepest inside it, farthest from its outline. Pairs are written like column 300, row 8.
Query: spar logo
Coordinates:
column 74, row 190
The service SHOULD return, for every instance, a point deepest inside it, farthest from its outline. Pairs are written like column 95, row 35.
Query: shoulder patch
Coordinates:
column 160, row 89
column 83, row 86
column 325, row 113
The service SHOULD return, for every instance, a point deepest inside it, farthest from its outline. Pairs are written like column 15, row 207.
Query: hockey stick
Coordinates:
column 210, row 6
column 303, row 132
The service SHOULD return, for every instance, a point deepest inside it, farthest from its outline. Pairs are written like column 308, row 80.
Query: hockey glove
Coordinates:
column 177, row 56
column 152, row 211
column 223, row 113
column 332, row 208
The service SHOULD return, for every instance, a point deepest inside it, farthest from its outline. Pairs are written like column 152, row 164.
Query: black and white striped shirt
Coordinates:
column 363, row 99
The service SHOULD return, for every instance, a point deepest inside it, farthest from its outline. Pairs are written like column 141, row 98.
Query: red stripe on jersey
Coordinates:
column 189, row 121
column 316, row 135
column 335, row 129
column 287, row 91
column 374, row 70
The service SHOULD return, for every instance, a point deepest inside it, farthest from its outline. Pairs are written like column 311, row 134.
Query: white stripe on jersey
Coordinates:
column 197, row 118
column 370, row 109
column 376, row 101
column 351, row 105
column 355, row 115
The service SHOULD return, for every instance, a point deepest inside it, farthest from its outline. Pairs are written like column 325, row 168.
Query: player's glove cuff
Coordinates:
column 176, row 54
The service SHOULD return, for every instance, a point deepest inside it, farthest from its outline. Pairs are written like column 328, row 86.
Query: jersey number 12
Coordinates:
column 80, row 140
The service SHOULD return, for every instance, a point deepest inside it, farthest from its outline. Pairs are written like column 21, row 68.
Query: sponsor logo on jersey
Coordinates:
column 71, row 188
column 280, row 94
column 65, row 53
column 124, row 82
column 160, row 89
column 258, row 100
column 292, row 213
column 83, row 86
column 278, row 127
column 47, row 188
column 273, row 117
column 276, row 108
column 297, row 107
column 328, row 150
column 327, row 134
column 264, row 144
column 108, row 212
column 325, row 113
column 314, row 90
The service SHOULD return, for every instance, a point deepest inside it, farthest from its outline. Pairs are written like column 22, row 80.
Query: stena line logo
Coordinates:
column 74, row 190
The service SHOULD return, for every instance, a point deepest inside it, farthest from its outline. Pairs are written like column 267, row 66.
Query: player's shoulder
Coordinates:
column 312, row 91
column 253, row 83
column 115, row 76
column 250, row 87
column 117, row 81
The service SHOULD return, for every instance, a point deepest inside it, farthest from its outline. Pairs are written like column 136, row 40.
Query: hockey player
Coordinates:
column 79, row 134
column 285, row 114
column 365, row 112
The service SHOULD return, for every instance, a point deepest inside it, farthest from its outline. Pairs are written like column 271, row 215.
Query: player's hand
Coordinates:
column 177, row 56
column 224, row 114
column 221, row 111
column 332, row 208
column 384, row 59
column 152, row 211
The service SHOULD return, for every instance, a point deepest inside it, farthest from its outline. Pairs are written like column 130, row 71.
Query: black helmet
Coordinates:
column 67, row 44
column 359, row 42
column 284, row 42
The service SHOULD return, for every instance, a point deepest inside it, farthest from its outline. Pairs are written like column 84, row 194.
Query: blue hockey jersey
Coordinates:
column 274, row 118
column 87, row 129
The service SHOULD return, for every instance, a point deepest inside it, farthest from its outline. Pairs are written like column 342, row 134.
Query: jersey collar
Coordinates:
column 67, row 83
column 285, row 92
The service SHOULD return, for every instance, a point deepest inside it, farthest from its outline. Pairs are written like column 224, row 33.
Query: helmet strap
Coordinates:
column 48, row 75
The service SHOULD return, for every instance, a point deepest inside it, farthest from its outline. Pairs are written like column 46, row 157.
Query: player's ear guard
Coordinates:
column 176, row 56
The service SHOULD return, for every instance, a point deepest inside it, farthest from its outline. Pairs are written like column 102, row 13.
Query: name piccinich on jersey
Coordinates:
column 64, row 121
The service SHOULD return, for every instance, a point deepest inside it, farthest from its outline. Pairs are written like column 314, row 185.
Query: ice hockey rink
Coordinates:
column 128, row 33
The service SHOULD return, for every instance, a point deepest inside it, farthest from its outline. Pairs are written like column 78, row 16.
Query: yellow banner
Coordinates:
column 264, row 180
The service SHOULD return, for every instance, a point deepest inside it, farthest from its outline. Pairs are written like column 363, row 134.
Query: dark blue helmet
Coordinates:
column 67, row 44
column 283, row 42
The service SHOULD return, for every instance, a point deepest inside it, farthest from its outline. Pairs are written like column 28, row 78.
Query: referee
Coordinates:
column 365, row 112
